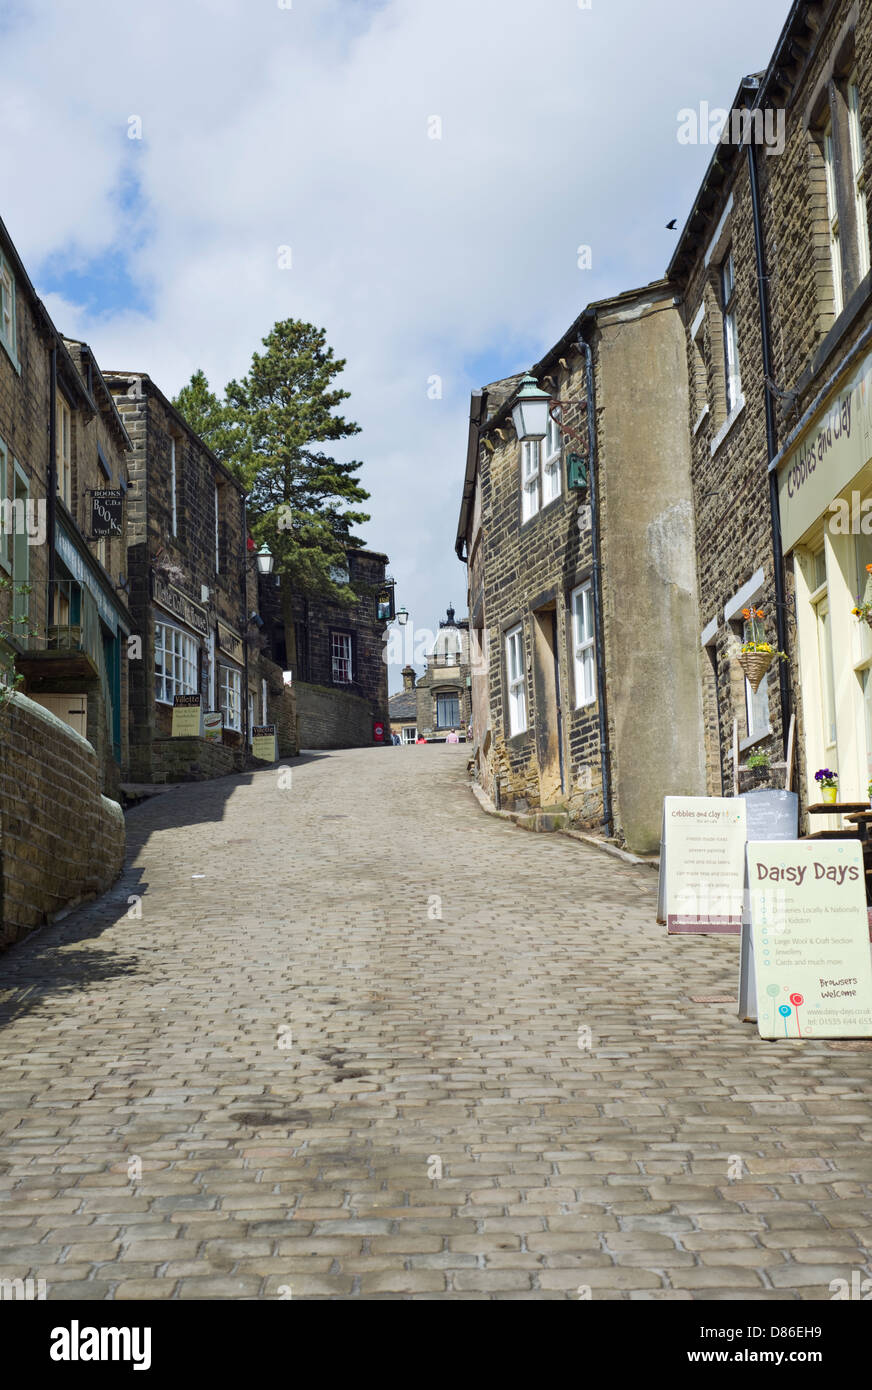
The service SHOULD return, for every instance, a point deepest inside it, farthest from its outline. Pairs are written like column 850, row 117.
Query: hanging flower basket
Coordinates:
column 755, row 665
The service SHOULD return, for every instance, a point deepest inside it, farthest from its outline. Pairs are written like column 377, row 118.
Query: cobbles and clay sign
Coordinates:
column 187, row 716
column 807, row 903
column 702, row 864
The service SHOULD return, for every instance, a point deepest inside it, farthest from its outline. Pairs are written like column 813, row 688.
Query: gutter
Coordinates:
column 478, row 398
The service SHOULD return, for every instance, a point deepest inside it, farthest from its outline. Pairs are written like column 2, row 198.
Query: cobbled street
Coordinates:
column 338, row 989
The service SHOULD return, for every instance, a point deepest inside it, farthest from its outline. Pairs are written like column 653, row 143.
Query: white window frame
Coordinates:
column 251, row 719
column 217, row 534
column 409, row 734
column 552, row 458
column 5, row 558
column 732, row 375
column 174, row 512
column 64, row 450
column 338, row 656
column 833, row 217
column 516, row 681
column 8, row 311
column 858, row 177
column 530, row 471
column 180, row 677
column 583, row 645
column 230, row 697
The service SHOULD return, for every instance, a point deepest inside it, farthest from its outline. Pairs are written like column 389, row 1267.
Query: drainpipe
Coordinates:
column 599, row 644
column 771, row 445
column 52, row 480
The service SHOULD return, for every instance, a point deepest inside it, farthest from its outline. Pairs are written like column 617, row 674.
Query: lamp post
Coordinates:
column 530, row 415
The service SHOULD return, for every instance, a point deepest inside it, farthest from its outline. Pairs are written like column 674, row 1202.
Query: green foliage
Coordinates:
column 759, row 761
column 270, row 429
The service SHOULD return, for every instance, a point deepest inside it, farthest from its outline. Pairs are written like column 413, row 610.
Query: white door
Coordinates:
column 72, row 709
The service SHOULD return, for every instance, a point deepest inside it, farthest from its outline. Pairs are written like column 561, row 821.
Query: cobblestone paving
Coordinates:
column 290, row 1040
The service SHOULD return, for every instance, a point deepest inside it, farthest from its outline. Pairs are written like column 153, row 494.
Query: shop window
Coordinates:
column 175, row 663
column 409, row 735
column 230, row 697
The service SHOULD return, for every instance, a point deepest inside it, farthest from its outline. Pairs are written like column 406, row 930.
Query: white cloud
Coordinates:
column 308, row 127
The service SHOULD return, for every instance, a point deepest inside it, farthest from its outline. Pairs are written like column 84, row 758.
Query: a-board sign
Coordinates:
column 264, row 743
column 213, row 726
column 187, row 716
column 702, row 864
column 770, row 815
column 809, row 925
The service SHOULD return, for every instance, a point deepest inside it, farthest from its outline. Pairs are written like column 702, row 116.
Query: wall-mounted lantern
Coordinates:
column 530, row 411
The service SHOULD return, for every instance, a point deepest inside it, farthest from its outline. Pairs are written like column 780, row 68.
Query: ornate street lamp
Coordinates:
column 402, row 617
column 530, row 411
column 265, row 560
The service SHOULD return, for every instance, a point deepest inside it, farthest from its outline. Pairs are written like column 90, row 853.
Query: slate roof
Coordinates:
column 403, row 705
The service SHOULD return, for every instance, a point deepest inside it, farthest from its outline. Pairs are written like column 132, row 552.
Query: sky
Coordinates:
column 415, row 177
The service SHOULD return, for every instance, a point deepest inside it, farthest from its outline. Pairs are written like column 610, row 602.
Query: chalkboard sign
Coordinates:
column 771, row 815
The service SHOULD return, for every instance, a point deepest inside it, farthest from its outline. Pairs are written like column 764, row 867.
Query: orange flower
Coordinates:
column 746, row 612
column 759, row 612
column 869, row 569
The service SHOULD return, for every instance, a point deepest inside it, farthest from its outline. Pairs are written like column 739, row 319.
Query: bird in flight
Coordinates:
column 670, row 226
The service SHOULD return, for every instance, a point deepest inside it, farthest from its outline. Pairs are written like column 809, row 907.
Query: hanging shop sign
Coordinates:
column 832, row 451
column 107, row 511
column 264, row 743
column 177, row 603
column 230, row 642
column 702, row 864
column 187, row 716
column 810, row 931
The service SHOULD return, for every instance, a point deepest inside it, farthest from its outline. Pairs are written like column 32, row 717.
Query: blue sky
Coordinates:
column 311, row 127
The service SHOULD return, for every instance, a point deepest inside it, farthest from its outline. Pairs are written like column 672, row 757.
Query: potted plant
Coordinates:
column 759, row 764
column 863, row 607
column 757, row 653
column 828, row 781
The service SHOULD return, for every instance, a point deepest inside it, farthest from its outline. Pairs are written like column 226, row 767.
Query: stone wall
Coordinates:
column 332, row 718
column 61, row 841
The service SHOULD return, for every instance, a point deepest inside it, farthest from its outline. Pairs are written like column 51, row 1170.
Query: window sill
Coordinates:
column 703, row 416
column 727, row 425
column 11, row 355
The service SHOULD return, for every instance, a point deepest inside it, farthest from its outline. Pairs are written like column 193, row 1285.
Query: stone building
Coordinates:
column 63, row 618
column 63, row 480
column 579, row 549
column 191, row 583
column 444, row 692
column 341, row 678
column 774, row 272
column 403, row 708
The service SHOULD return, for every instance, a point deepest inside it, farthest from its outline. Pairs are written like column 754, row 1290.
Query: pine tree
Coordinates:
column 269, row 429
